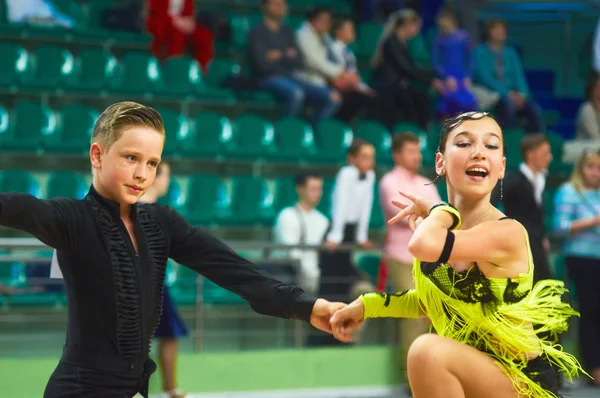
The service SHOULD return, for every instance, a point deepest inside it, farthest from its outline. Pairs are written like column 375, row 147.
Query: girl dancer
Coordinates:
column 113, row 252
column 473, row 276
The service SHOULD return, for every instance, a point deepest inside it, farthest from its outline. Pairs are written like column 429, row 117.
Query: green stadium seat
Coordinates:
column 67, row 184
column 9, row 271
column 206, row 198
column 377, row 219
column 512, row 140
column 250, row 202
column 442, row 190
column 379, row 136
column 73, row 135
column 294, row 140
column 240, row 27
column 174, row 196
column 325, row 203
column 185, row 288
column 181, row 76
column 218, row 72
column 332, row 139
column 557, row 143
column 46, row 299
column 177, row 127
column 14, row 64
column 52, row 66
column 251, row 138
column 368, row 36
column 204, row 140
column 5, row 130
column 213, row 294
column 139, row 73
column 284, row 193
column 31, row 122
column 95, row 69
column 369, row 264
column 18, row 181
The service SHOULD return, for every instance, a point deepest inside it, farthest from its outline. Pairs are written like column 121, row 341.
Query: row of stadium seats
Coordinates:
column 208, row 200
column 204, row 199
column 32, row 126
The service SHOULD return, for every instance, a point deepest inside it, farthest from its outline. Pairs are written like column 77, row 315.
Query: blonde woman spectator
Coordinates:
column 577, row 215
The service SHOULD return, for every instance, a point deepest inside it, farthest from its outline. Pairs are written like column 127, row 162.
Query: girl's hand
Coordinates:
column 419, row 208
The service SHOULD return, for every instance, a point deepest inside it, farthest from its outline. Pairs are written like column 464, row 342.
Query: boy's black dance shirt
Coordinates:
column 114, row 294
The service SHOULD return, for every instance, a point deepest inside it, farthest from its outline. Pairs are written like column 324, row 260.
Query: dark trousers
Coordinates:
column 338, row 274
column 93, row 375
column 399, row 102
column 507, row 115
column 542, row 268
column 585, row 273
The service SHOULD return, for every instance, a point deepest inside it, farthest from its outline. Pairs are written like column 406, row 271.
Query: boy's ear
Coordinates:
column 96, row 155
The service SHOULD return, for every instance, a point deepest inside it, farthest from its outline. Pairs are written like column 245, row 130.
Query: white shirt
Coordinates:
column 296, row 226
column 351, row 203
column 537, row 180
column 313, row 46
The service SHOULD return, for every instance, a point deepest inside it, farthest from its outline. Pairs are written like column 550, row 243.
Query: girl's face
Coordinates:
column 472, row 158
column 591, row 172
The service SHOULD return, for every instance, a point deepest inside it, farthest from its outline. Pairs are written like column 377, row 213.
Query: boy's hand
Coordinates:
column 322, row 312
column 347, row 320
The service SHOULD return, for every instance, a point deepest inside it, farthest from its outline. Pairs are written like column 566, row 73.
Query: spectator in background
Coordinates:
column 453, row 62
column 172, row 24
column 498, row 69
column 406, row 152
column 276, row 61
column 395, row 72
column 37, row 12
column 358, row 98
column 351, row 205
column 522, row 195
column 588, row 117
column 577, row 216
column 303, row 224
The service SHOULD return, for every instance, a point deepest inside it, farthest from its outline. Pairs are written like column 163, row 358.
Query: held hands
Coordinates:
column 348, row 320
column 322, row 312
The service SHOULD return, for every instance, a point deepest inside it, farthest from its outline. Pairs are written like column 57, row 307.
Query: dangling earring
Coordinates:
column 501, row 188
column 435, row 179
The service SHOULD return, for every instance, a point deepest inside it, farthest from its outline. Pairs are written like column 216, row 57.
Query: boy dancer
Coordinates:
column 113, row 252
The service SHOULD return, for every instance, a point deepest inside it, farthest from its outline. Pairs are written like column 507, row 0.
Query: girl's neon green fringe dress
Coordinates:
column 498, row 316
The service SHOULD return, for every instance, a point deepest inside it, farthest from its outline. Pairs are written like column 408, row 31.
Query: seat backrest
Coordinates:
column 139, row 71
column 284, row 193
column 96, row 68
column 251, row 135
column 32, row 120
column 205, row 193
column 66, row 184
column 18, row 181
column 77, row 122
column 250, row 198
column 181, row 75
column 332, row 139
column 14, row 63
column 210, row 129
column 177, row 127
column 53, row 64
column 220, row 69
column 293, row 137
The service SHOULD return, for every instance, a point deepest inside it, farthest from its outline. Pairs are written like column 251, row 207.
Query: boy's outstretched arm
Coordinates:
column 47, row 220
column 210, row 257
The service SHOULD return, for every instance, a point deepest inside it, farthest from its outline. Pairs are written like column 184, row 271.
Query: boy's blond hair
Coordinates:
column 120, row 116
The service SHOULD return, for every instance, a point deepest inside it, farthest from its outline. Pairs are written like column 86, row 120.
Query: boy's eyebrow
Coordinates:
column 138, row 153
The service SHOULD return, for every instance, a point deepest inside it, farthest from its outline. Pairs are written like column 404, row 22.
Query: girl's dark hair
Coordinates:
column 452, row 123
column 339, row 24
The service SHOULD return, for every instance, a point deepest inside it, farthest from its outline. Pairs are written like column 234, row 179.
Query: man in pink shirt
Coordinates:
column 406, row 152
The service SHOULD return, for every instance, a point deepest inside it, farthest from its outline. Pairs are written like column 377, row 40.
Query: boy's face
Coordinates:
column 364, row 160
column 127, row 170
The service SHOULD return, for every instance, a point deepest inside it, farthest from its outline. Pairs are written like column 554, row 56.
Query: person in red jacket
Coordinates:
column 172, row 24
